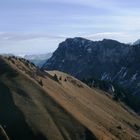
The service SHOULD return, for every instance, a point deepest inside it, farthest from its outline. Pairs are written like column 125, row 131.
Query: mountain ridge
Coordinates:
column 57, row 106
column 31, row 106
column 107, row 60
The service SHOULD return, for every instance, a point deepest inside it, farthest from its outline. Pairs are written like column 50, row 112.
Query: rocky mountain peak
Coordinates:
column 107, row 60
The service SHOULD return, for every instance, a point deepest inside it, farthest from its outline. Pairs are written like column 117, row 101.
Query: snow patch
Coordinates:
column 105, row 76
column 134, row 77
column 89, row 50
column 120, row 72
column 124, row 74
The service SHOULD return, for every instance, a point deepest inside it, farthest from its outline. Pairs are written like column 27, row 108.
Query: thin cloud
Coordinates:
column 120, row 36
column 37, row 25
column 23, row 37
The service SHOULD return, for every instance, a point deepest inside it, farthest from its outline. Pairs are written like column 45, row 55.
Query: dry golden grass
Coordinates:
column 60, row 109
column 29, row 113
column 104, row 117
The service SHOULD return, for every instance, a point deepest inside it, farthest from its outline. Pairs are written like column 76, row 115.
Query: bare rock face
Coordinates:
column 106, row 60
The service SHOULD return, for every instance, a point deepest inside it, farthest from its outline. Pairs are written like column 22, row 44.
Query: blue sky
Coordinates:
column 38, row 26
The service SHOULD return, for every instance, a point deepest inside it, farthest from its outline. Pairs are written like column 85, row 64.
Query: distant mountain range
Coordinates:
column 106, row 60
column 38, row 59
column 137, row 42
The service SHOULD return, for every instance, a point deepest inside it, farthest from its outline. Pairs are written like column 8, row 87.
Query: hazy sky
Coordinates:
column 38, row 26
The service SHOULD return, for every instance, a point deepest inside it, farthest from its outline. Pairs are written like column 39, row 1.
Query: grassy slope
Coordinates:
column 27, row 112
column 40, row 107
column 99, row 113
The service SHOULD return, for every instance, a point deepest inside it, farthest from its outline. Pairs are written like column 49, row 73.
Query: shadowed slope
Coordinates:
column 3, row 135
column 59, row 107
column 28, row 112
column 11, row 117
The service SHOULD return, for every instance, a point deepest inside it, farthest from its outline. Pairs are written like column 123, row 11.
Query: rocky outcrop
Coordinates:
column 105, row 60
